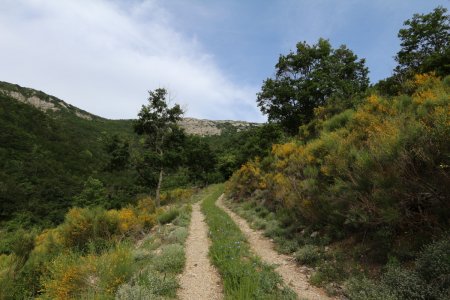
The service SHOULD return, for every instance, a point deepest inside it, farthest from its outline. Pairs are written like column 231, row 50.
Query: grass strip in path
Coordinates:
column 244, row 276
column 291, row 273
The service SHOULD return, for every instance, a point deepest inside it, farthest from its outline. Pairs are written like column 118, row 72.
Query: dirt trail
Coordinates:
column 199, row 280
column 292, row 274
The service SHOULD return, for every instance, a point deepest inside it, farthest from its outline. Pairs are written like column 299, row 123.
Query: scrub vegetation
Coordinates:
column 360, row 193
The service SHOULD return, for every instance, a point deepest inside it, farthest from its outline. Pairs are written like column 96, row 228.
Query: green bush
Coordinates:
column 259, row 223
column 178, row 235
column 285, row 245
column 184, row 217
column 171, row 259
column 405, row 284
column 148, row 284
column 168, row 216
column 433, row 266
column 328, row 271
column 88, row 226
column 365, row 289
column 308, row 255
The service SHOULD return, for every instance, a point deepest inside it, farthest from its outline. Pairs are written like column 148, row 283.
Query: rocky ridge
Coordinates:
column 48, row 103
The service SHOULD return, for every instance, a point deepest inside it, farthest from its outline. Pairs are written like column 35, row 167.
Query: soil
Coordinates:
column 200, row 279
column 293, row 274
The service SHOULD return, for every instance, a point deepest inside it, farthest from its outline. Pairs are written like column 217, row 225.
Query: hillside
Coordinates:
column 49, row 148
column 59, row 108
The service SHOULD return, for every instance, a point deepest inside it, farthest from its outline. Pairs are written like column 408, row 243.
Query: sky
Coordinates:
column 212, row 56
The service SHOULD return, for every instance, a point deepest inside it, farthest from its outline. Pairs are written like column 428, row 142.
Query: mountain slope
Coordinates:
column 49, row 149
column 46, row 156
column 59, row 108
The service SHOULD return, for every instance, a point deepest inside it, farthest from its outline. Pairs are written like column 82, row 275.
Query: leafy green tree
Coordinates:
column 425, row 47
column 119, row 153
column 93, row 194
column 259, row 141
column 308, row 78
column 163, row 137
column 200, row 160
column 425, row 44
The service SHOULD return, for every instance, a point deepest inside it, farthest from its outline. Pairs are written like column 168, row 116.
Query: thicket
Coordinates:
column 380, row 170
column 46, row 159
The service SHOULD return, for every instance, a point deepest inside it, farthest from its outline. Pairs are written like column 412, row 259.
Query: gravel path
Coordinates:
column 199, row 280
column 292, row 274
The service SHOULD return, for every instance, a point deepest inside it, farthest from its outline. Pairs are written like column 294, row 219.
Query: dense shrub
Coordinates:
column 73, row 276
column 308, row 255
column 176, row 195
column 168, row 216
column 383, row 165
column 171, row 259
column 429, row 279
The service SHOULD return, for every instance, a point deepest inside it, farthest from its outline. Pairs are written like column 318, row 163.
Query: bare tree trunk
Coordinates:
column 158, row 189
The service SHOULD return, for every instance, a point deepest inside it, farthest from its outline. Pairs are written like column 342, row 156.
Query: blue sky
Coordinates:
column 104, row 55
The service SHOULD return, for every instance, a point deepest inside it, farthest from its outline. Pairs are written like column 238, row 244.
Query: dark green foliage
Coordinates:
column 425, row 47
column 200, row 160
column 433, row 265
column 171, row 260
column 430, row 279
column 405, row 284
column 309, row 78
column 93, row 194
column 168, row 216
column 45, row 157
column 119, row 153
column 233, row 149
column 308, row 255
column 425, row 44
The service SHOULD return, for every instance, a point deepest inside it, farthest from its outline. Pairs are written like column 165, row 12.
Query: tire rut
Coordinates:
column 284, row 265
column 200, row 279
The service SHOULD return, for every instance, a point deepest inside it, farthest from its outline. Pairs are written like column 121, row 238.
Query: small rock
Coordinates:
column 314, row 234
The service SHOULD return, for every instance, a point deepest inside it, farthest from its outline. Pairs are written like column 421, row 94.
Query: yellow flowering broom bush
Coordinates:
column 384, row 164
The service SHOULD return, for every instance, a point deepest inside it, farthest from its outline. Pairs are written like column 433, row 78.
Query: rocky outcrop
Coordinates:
column 204, row 127
column 40, row 100
column 49, row 103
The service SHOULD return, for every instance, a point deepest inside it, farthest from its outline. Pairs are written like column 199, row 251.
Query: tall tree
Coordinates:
column 158, row 123
column 425, row 44
column 119, row 153
column 308, row 78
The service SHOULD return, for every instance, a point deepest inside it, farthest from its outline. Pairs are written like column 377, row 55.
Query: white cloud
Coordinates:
column 104, row 56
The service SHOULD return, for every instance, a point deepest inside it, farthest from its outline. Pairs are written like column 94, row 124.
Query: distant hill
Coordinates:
column 56, row 106
column 48, row 148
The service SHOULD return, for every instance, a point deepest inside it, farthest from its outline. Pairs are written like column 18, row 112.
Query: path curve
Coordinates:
column 285, row 265
column 200, row 279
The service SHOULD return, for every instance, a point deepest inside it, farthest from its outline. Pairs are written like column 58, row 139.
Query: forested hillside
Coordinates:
column 47, row 156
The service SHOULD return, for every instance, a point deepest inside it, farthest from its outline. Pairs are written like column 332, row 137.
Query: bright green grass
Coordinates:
column 244, row 275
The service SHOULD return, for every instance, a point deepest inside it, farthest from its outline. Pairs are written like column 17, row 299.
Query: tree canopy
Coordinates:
column 425, row 43
column 424, row 48
column 308, row 78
